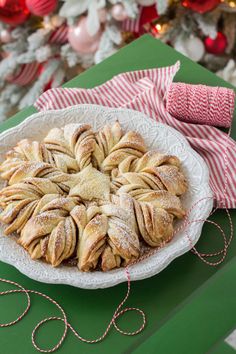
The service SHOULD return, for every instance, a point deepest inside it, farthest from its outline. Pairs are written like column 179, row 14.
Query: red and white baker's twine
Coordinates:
column 212, row 106
column 118, row 312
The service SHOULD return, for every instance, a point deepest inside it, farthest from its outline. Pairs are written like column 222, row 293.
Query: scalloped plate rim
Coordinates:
column 205, row 190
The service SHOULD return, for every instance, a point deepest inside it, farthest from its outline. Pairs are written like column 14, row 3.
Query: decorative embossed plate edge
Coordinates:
column 156, row 135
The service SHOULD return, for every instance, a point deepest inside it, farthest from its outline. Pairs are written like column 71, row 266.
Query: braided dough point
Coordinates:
column 90, row 197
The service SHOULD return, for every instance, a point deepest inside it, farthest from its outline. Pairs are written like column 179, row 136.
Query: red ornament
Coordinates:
column 13, row 12
column 217, row 45
column 201, row 6
column 148, row 14
column 41, row 7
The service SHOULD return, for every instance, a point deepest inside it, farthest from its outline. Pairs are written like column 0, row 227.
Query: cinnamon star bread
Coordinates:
column 91, row 197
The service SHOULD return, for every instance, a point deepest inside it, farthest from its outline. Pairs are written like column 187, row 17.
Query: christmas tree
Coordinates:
column 46, row 42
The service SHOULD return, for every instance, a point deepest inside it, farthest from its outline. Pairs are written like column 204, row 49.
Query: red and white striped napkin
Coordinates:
column 148, row 91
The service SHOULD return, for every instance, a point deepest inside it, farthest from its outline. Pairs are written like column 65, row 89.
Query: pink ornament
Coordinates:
column 118, row 12
column 102, row 15
column 5, row 36
column 80, row 40
column 41, row 7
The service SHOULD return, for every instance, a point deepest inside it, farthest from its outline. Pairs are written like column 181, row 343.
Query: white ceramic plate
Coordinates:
column 157, row 136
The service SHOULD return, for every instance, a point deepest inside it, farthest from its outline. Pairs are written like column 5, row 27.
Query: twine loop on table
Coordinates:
column 118, row 312
column 201, row 104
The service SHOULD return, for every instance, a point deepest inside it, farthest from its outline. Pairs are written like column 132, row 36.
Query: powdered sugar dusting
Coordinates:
column 92, row 187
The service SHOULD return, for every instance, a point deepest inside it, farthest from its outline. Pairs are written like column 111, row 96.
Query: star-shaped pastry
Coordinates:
column 91, row 184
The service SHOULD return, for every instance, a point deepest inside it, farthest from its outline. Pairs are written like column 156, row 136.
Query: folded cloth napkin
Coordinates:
column 152, row 92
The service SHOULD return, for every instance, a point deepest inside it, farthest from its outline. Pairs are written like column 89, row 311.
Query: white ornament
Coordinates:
column 192, row 47
column 118, row 12
column 5, row 36
column 146, row 2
